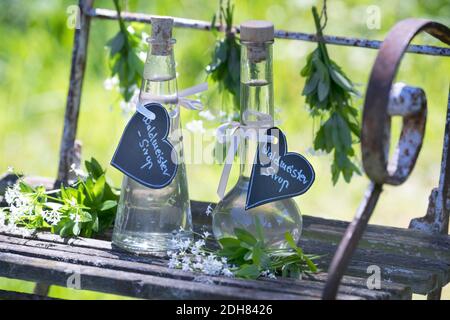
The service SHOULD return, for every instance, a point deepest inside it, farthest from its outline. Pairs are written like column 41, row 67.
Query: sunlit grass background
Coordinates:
column 35, row 55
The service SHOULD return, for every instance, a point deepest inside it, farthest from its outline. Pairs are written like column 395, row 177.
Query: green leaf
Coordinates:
column 99, row 188
column 76, row 229
column 248, row 271
column 245, row 236
column 311, row 85
column 229, row 242
column 116, row 44
column 108, row 204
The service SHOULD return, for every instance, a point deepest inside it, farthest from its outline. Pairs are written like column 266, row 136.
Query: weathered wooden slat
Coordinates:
column 422, row 277
column 146, row 265
column 421, row 274
column 384, row 238
column 137, row 284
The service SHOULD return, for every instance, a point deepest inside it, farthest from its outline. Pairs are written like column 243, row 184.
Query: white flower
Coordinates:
column 211, row 266
column 75, row 217
column 209, row 210
column 206, row 114
column 51, row 216
column 186, row 267
column 130, row 106
column 268, row 274
column 10, row 169
column 173, row 263
column 199, row 244
column 206, row 234
column 195, row 126
column 131, row 30
column 111, row 83
column 227, row 273
column 142, row 55
column 73, row 202
column 11, row 194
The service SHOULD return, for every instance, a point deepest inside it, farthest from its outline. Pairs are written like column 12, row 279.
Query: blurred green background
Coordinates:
column 35, row 55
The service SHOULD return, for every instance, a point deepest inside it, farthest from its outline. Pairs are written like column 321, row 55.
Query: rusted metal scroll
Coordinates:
column 375, row 137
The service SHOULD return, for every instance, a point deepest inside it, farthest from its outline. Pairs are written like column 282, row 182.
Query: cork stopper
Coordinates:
column 161, row 39
column 257, row 33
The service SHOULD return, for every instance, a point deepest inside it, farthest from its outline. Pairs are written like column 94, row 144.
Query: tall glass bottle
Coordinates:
column 276, row 217
column 148, row 218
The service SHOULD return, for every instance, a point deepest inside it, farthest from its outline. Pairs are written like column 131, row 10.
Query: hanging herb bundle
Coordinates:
column 124, row 61
column 328, row 93
column 224, row 68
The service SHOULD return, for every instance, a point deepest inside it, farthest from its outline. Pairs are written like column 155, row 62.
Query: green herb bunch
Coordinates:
column 328, row 93
column 84, row 209
column 224, row 69
column 242, row 256
column 124, row 61
column 252, row 257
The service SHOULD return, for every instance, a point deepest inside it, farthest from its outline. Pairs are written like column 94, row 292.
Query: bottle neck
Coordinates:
column 159, row 78
column 257, row 108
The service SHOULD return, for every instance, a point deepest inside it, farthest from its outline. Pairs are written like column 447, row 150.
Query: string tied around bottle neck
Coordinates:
column 178, row 99
column 236, row 132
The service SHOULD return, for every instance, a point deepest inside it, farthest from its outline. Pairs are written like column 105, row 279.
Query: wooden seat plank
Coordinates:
column 79, row 256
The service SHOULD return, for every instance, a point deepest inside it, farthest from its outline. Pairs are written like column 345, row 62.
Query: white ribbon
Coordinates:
column 179, row 99
column 240, row 131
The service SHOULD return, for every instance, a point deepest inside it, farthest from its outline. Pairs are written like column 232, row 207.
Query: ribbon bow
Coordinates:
column 239, row 131
column 179, row 99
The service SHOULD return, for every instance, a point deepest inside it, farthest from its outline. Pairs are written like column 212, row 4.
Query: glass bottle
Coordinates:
column 147, row 219
column 280, row 216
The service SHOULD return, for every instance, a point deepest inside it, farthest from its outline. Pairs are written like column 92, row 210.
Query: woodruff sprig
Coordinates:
column 224, row 68
column 86, row 208
column 328, row 93
column 124, row 61
column 243, row 256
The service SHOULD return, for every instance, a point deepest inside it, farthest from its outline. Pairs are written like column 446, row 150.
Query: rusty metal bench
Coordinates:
column 414, row 260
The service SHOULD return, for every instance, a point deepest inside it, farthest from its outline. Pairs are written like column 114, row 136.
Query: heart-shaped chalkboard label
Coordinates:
column 276, row 173
column 144, row 153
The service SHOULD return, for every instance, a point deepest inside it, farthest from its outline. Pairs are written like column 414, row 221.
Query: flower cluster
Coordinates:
column 86, row 207
column 189, row 255
column 22, row 207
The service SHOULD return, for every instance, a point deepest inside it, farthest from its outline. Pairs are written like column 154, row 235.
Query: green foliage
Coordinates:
column 328, row 93
column 85, row 209
column 124, row 59
column 224, row 68
column 252, row 257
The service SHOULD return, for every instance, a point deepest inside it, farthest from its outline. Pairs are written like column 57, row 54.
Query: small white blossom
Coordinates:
column 173, row 263
column 209, row 210
column 206, row 234
column 199, row 244
column 268, row 274
column 206, row 114
column 11, row 194
column 51, row 216
column 75, row 217
column 227, row 273
column 111, row 83
column 10, row 169
column 195, row 126
column 186, row 267
column 142, row 56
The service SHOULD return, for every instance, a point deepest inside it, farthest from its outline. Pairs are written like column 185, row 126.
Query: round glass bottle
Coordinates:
column 278, row 217
column 147, row 219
